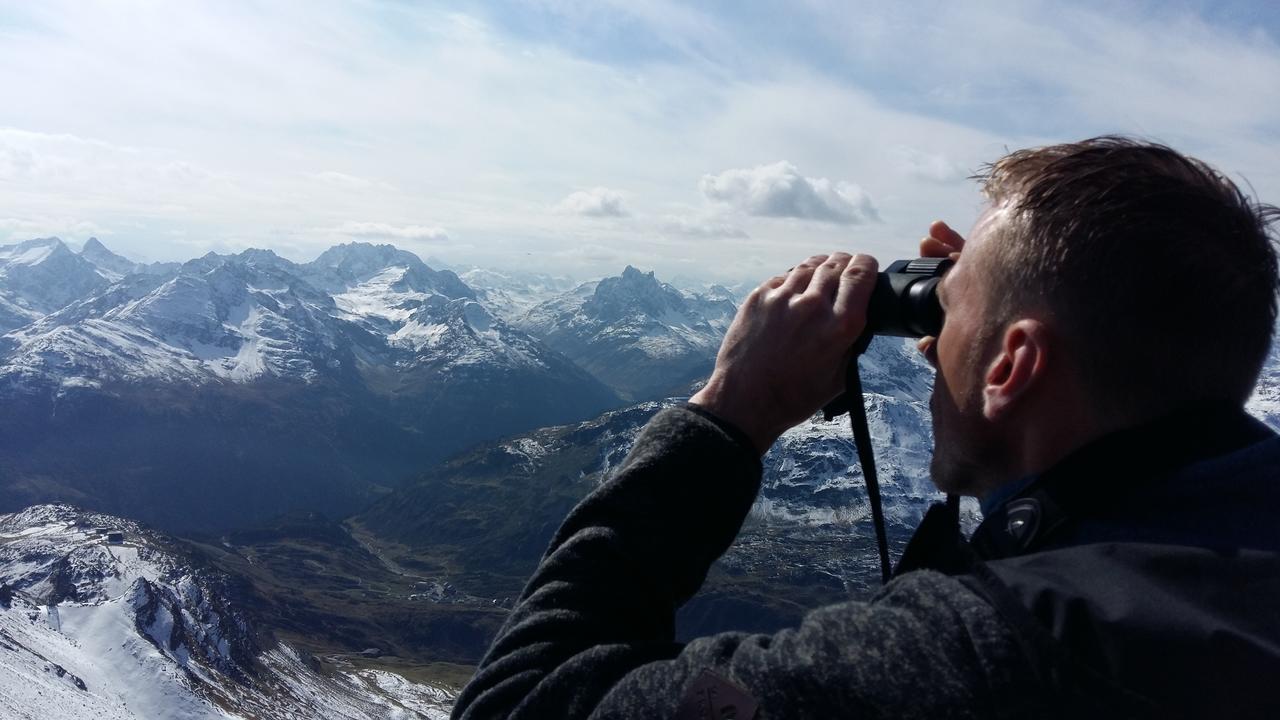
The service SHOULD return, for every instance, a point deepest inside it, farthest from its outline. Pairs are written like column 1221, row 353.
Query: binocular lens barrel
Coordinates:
column 905, row 301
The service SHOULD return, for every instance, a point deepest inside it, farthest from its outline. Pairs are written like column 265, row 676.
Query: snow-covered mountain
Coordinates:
column 1265, row 402
column 101, row 617
column 109, row 264
column 240, row 317
column 341, row 375
column 233, row 318
column 510, row 295
column 641, row 337
column 41, row 276
column 342, row 267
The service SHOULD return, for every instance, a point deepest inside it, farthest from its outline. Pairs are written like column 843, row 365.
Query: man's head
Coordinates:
column 1109, row 282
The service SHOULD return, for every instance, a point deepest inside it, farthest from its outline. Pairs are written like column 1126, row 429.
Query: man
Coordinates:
column 1106, row 321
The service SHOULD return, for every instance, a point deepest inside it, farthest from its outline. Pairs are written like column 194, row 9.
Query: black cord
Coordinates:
column 867, row 458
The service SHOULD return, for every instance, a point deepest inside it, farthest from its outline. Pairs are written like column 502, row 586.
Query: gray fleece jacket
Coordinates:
column 592, row 636
column 1138, row 577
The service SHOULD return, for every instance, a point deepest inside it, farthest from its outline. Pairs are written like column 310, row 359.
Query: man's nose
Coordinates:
column 928, row 347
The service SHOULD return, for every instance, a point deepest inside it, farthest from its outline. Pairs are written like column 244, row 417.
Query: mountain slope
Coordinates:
column 489, row 513
column 109, row 265
column 1265, row 402
column 641, row 337
column 244, row 386
column 41, row 276
column 131, row 627
column 510, row 295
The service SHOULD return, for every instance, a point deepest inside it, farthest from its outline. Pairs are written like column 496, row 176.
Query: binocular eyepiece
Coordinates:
column 905, row 300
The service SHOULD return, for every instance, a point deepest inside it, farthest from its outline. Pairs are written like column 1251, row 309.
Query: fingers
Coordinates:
column 774, row 282
column 943, row 232
column 857, row 281
column 798, row 278
column 826, row 277
column 932, row 247
column 942, row 241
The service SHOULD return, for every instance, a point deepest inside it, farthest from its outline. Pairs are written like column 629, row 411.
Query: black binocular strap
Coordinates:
column 867, row 458
column 854, row 403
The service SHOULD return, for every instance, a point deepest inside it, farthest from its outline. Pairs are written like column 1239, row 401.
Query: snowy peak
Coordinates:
column 345, row 266
column 110, row 265
column 511, row 295
column 642, row 337
column 632, row 275
column 634, row 292
column 262, row 260
column 32, row 252
column 236, row 318
column 41, row 276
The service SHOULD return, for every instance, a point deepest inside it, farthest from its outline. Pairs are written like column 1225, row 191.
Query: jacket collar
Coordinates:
column 1109, row 477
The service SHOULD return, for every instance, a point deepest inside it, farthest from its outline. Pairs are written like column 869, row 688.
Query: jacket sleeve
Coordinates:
column 593, row 633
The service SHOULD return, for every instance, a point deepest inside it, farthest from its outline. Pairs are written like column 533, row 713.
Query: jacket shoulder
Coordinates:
column 1159, row 627
column 925, row 646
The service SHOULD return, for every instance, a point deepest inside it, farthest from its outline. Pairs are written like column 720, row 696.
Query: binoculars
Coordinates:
column 905, row 300
column 903, row 304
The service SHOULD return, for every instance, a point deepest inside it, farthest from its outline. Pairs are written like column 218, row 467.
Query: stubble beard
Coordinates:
column 960, row 443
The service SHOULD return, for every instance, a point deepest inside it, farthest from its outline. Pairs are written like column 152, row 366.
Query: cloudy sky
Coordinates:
column 719, row 140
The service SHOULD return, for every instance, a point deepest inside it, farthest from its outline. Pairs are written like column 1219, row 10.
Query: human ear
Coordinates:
column 1018, row 367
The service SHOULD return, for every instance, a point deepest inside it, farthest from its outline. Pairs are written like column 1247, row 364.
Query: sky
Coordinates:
column 716, row 141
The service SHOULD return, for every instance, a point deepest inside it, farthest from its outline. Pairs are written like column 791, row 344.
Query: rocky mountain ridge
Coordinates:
column 643, row 338
column 102, row 617
column 287, row 383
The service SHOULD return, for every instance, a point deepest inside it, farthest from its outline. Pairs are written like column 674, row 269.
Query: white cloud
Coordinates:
column 701, row 227
column 596, row 202
column 779, row 190
column 377, row 230
column 70, row 229
column 344, row 180
column 935, row 167
column 323, row 112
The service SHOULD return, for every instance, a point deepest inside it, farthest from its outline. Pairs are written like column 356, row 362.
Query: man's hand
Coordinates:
column 785, row 353
column 941, row 242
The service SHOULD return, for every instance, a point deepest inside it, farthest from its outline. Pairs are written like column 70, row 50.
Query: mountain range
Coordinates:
column 234, row 387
